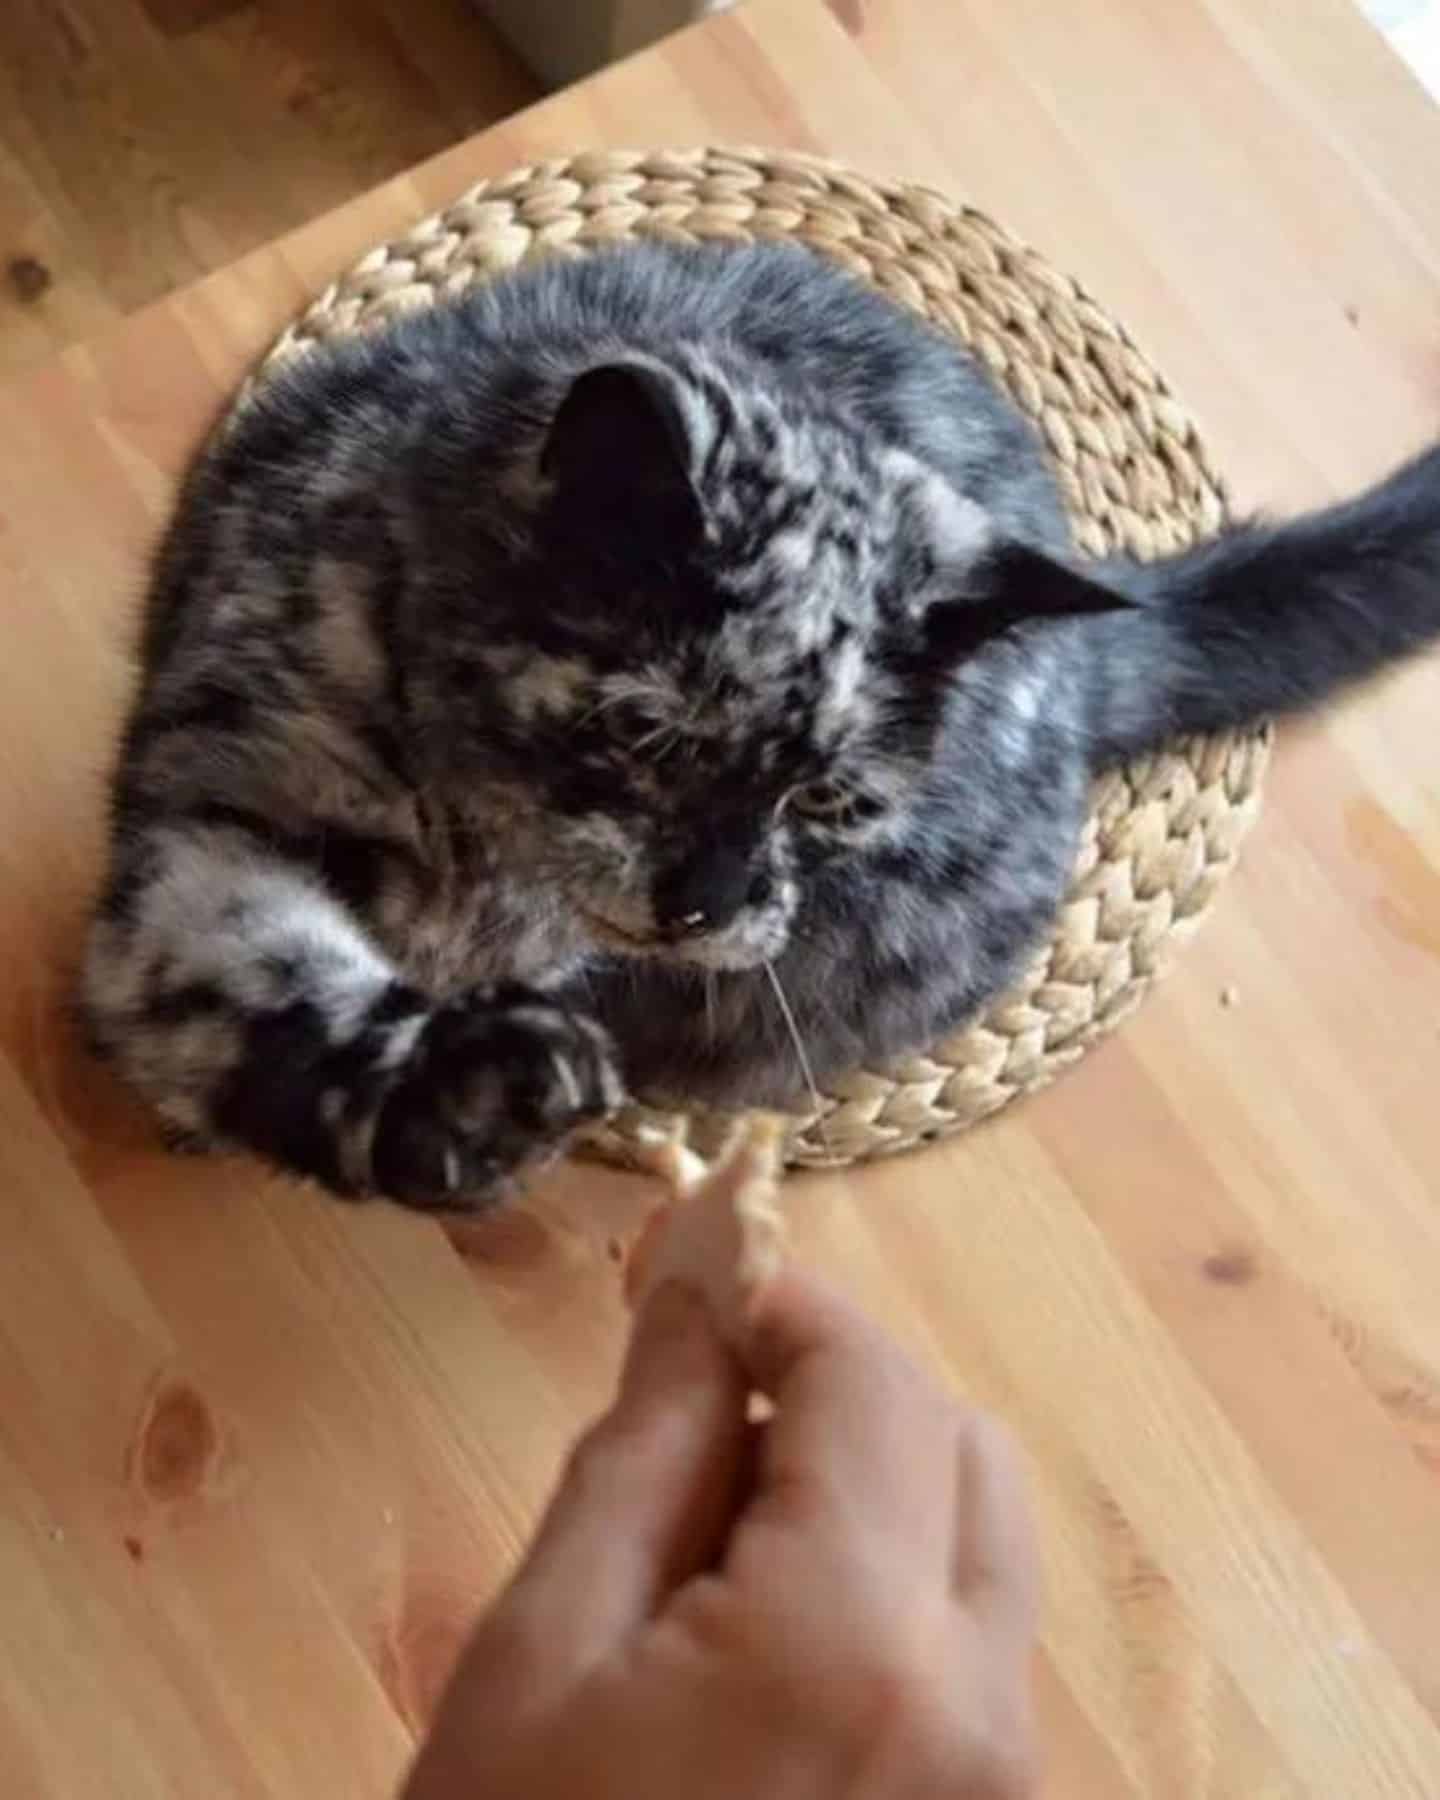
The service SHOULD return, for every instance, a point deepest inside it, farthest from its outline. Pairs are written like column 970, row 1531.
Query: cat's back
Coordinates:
column 778, row 314
column 439, row 402
column 490, row 361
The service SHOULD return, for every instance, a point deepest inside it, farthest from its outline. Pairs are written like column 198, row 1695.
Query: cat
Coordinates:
column 667, row 670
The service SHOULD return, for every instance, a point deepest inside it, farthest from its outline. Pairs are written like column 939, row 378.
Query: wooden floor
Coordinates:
column 145, row 142
column 262, row 1455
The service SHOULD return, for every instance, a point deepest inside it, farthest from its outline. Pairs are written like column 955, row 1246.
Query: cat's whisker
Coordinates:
column 660, row 741
column 801, row 1056
column 485, row 745
column 603, row 704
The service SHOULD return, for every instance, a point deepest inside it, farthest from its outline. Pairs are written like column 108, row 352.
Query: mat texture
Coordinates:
column 1164, row 831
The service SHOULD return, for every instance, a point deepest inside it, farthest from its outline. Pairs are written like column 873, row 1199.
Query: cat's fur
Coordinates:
column 524, row 683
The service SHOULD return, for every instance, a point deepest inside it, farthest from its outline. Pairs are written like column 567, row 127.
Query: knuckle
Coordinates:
column 507, row 1658
column 714, row 1620
column 993, row 1443
column 905, row 1710
column 893, row 1693
column 609, row 1457
column 1002, row 1768
column 798, row 1498
column 511, row 1637
column 991, row 1726
column 586, row 1464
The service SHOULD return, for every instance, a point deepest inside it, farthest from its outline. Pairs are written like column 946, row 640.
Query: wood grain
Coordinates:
column 143, row 142
column 255, row 1445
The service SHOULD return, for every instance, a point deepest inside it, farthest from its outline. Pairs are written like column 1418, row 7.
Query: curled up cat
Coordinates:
column 668, row 670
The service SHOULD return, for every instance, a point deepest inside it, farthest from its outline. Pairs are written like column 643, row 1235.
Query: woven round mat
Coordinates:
column 1163, row 831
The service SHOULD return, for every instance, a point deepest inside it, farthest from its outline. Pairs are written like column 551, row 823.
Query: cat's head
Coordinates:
column 741, row 617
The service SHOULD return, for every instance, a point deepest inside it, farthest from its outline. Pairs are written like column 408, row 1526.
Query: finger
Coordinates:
column 860, row 1438
column 646, row 1498
column 995, row 1572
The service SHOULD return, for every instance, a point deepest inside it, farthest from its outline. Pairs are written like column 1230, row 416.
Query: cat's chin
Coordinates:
column 612, row 937
column 716, row 954
column 720, row 957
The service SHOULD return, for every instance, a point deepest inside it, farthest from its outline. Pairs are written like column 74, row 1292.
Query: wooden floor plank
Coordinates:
column 1198, row 1277
column 138, row 1538
column 143, row 144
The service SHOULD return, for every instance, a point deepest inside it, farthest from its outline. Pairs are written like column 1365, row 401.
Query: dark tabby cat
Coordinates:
column 669, row 669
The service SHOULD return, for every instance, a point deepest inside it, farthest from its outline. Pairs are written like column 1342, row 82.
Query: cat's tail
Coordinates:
column 1272, row 619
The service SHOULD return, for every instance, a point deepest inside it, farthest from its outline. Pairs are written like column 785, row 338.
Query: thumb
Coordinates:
column 646, row 1498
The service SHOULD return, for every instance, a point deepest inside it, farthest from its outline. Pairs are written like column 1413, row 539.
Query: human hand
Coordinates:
column 838, row 1602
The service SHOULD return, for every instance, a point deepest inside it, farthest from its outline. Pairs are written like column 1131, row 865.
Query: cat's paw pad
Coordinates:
column 496, row 1082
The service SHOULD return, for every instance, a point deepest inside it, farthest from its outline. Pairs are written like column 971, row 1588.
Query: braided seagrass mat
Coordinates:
column 1162, row 832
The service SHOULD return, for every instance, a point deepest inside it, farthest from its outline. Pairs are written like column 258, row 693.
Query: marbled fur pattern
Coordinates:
column 528, row 688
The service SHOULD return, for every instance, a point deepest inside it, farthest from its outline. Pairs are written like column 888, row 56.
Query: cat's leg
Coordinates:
column 248, row 1006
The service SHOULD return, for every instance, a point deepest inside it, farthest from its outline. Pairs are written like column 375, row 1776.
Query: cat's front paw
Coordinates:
column 496, row 1081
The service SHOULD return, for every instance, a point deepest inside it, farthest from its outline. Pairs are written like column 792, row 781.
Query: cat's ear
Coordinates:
column 1016, row 585
column 622, row 447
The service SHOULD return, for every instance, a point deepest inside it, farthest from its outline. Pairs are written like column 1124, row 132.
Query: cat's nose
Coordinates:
column 707, row 892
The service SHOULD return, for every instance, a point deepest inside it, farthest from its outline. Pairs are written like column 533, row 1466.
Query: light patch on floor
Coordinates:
column 1413, row 29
